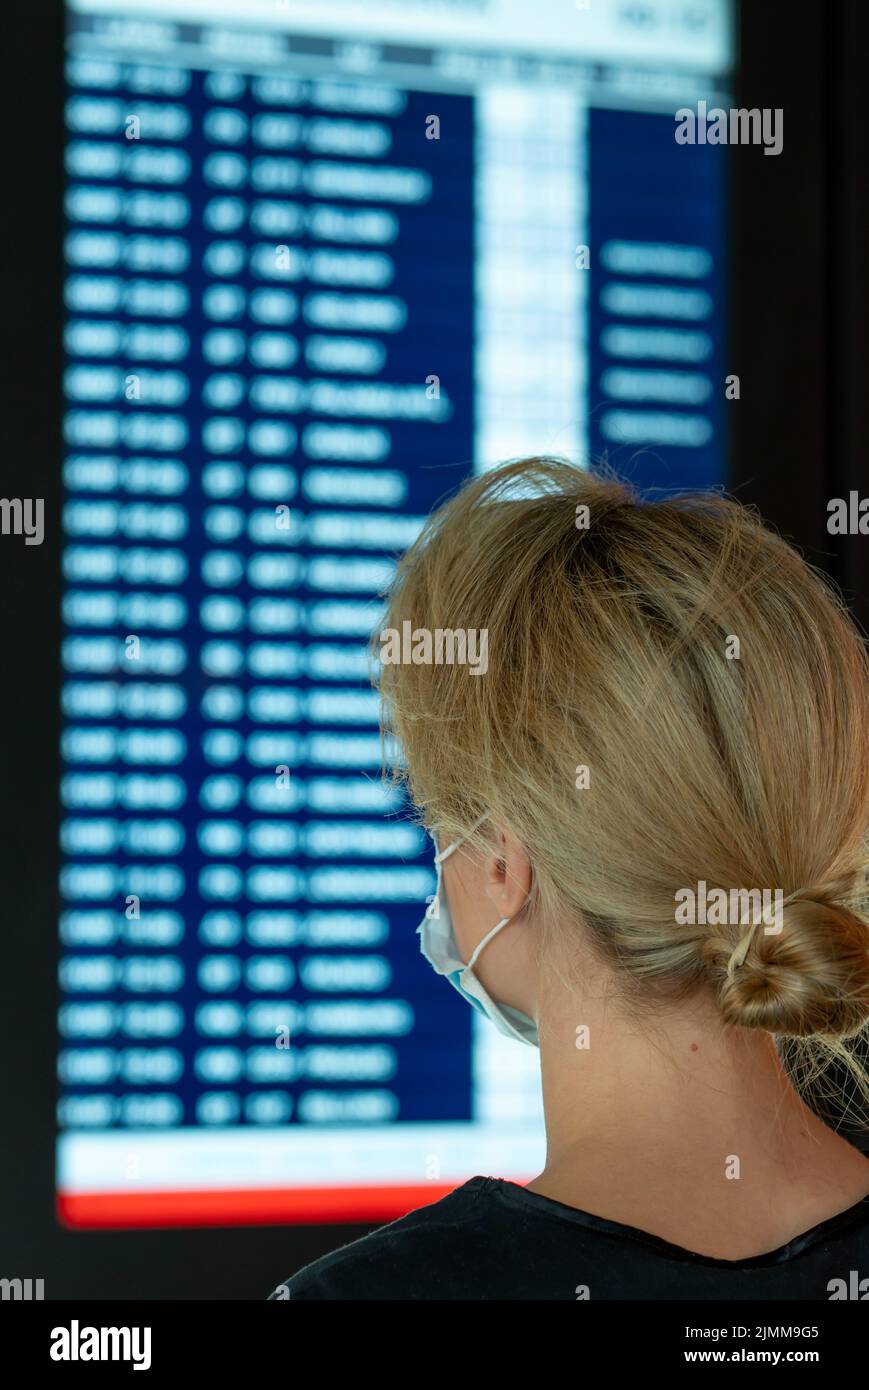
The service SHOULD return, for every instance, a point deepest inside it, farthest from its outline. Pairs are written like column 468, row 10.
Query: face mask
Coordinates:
column 439, row 946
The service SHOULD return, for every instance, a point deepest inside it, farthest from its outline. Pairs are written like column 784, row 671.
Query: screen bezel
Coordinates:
column 795, row 441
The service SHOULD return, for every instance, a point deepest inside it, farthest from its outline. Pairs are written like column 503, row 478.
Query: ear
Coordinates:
column 508, row 874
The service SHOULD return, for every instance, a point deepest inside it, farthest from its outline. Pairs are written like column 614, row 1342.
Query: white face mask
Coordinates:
column 438, row 944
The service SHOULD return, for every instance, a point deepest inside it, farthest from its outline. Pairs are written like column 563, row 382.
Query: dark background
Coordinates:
column 799, row 316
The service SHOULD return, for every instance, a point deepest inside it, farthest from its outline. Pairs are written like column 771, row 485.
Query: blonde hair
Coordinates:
column 716, row 690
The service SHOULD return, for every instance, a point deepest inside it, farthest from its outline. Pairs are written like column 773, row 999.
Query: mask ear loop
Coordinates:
column 432, row 909
column 440, row 857
column 485, row 941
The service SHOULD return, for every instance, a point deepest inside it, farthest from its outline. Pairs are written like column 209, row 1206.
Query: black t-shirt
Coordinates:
column 491, row 1239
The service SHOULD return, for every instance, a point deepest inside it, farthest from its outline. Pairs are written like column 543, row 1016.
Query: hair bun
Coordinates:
column 810, row 977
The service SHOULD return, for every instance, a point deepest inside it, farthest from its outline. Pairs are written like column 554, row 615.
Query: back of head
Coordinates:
column 674, row 703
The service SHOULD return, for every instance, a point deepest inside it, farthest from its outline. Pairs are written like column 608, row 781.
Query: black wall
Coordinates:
column 800, row 308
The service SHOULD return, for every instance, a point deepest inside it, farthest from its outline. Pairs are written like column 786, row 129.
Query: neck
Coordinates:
column 688, row 1130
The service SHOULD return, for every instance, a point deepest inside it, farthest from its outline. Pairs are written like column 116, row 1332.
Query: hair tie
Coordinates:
column 740, row 951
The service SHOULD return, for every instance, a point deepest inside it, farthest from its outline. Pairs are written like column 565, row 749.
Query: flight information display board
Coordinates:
column 322, row 262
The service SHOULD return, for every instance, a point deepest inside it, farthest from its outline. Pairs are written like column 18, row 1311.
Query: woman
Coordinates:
column 673, row 718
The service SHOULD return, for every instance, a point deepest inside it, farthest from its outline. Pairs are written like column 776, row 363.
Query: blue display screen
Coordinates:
column 314, row 280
